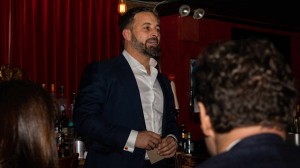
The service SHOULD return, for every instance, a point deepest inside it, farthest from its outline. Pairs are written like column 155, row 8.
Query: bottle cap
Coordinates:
column 189, row 135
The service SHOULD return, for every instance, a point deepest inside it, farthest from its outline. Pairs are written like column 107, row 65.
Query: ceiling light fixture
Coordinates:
column 184, row 10
column 198, row 13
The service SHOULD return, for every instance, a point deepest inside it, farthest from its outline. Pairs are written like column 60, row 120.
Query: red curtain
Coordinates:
column 4, row 31
column 53, row 40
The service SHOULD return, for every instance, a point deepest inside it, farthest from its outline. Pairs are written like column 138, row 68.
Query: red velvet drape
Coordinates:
column 4, row 31
column 53, row 40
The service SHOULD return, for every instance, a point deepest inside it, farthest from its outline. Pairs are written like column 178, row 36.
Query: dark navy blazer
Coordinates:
column 108, row 107
column 259, row 151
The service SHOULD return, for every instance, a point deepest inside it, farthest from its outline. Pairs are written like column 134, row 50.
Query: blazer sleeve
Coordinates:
column 89, row 107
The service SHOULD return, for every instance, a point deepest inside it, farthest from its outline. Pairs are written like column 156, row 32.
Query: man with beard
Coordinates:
column 125, row 106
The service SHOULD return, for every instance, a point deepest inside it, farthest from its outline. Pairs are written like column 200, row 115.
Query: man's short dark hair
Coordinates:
column 127, row 18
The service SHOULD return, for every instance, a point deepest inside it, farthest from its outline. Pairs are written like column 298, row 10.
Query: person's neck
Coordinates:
column 141, row 58
column 225, row 139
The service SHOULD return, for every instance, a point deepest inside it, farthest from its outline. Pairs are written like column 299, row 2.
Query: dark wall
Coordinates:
column 281, row 42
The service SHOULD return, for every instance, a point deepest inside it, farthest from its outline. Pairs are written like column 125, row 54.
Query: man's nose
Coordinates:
column 155, row 33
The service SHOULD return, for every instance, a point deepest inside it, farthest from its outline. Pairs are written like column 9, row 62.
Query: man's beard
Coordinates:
column 151, row 51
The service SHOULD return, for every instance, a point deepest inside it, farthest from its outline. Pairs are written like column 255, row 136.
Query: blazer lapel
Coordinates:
column 163, row 86
column 127, row 78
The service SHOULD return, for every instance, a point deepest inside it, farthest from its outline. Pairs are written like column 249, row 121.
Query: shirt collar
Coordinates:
column 134, row 63
column 232, row 144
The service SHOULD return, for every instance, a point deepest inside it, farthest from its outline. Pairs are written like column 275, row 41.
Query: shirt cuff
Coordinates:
column 174, row 137
column 129, row 146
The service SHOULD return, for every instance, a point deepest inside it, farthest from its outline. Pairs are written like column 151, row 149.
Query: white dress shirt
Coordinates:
column 151, row 97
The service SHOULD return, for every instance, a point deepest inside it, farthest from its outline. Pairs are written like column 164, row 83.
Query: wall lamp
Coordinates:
column 185, row 10
column 122, row 7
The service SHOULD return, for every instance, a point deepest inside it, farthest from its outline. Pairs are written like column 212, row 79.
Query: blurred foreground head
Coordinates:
column 27, row 114
column 245, row 83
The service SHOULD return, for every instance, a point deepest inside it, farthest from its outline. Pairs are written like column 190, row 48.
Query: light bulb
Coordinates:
column 198, row 13
column 184, row 10
column 122, row 7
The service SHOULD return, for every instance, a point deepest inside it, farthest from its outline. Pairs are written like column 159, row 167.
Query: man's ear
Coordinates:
column 126, row 34
column 205, row 121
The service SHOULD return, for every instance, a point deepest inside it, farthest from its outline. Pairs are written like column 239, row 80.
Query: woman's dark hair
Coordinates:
column 27, row 137
column 243, row 83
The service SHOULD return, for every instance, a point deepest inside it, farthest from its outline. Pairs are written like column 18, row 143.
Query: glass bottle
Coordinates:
column 189, row 144
column 183, row 136
column 44, row 86
column 191, row 101
column 71, row 133
column 60, row 142
column 297, row 121
column 79, row 147
column 62, row 103
column 52, row 91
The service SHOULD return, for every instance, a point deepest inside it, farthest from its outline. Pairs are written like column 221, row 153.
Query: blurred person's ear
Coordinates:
column 205, row 121
column 207, row 130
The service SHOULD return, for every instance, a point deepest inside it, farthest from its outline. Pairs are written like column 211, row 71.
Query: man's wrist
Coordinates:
column 174, row 138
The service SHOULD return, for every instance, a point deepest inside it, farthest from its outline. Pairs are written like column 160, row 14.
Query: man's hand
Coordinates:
column 147, row 140
column 168, row 147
